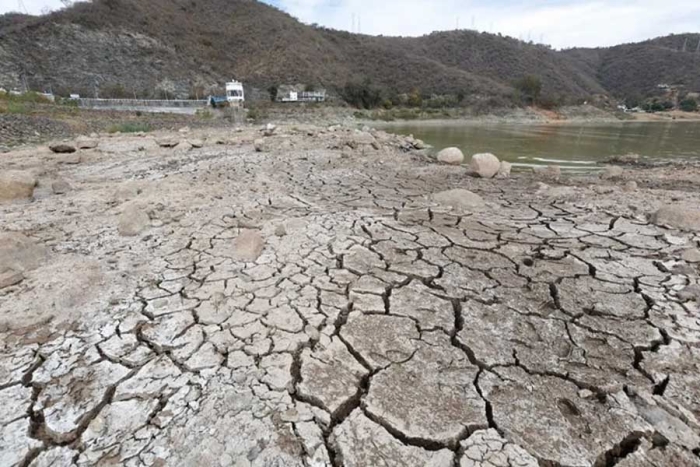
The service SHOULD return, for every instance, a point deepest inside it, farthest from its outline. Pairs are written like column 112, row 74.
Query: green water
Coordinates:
column 572, row 146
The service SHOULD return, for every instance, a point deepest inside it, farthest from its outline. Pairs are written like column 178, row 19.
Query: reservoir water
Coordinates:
column 578, row 147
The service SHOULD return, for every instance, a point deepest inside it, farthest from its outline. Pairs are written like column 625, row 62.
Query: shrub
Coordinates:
column 129, row 127
column 273, row 93
column 689, row 105
column 362, row 95
column 530, row 88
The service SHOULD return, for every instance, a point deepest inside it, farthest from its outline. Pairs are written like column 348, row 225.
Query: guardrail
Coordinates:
column 130, row 103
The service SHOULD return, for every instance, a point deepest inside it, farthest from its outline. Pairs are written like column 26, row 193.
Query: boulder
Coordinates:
column 420, row 145
column 452, row 156
column 62, row 148
column 20, row 253
column 248, row 246
column 550, row 172
column 86, row 143
column 132, row 221
column 167, row 142
column 15, row 184
column 504, row 170
column 196, row 143
column 60, row 187
column 459, row 199
column 10, row 278
column 678, row 217
column 485, row 165
column 612, row 173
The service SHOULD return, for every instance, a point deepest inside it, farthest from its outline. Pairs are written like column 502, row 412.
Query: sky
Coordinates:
column 560, row 23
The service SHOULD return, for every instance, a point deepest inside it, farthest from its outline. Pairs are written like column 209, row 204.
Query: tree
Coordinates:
column 530, row 89
column 273, row 93
column 689, row 105
column 362, row 95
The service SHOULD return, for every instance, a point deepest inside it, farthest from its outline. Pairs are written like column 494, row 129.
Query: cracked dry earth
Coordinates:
column 310, row 306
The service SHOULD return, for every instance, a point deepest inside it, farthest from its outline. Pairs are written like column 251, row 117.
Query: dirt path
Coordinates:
column 314, row 303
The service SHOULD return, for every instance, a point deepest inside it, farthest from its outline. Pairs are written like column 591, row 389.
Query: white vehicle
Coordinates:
column 234, row 93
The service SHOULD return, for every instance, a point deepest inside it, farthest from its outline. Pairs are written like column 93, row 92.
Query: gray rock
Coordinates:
column 167, row 142
column 690, row 293
column 62, row 148
column 459, row 199
column 86, row 143
column 452, row 156
column 485, row 165
column 132, row 221
column 269, row 130
column 16, row 184
column 631, row 186
column 248, row 246
column 196, row 143
column 678, row 216
column 691, row 255
column 10, row 278
column 260, row 145
column 504, row 170
column 20, row 253
column 612, row 173
column 60, row 187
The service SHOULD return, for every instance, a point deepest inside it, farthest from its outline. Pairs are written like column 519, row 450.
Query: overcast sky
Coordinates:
column 561, row 23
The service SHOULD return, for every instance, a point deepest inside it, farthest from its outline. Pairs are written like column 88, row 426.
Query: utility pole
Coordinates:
column 22, row 8
column 353, row 23
column 685, row 45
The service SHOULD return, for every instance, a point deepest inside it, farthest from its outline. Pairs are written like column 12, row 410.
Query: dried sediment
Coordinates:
column 387, row 326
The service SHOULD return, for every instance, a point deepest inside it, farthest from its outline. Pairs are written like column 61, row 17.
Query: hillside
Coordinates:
column 189, row 47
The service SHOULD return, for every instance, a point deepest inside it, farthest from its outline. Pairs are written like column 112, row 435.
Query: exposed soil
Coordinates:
column 217, row 297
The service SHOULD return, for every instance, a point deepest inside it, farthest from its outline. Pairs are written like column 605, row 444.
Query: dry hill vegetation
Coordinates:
column 186, row 48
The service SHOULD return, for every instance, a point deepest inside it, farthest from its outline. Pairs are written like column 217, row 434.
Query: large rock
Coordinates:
column 485, row 165
column 16, row 184
column 86, row 143
column 248, row 246
column 62, row 148
column 452, row 156
column 679, row 217
column 132, row 221
column 20, row 253
column 167, row 142
column 459, row 199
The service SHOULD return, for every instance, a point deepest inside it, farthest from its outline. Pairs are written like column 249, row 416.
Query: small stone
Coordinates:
column 260, row 145
column 10, row 278
column 280, row 230
column 631, row 186
column 452, row 156
column 459, row 199
column 248, row 246
column 269, row 130
column 69, row 159
column 62, row 148
column 86, row 143
column 612, row 173
column 504, row 170
column 679, row 217
column 691, row 256
column 60, row 187
column 167, row 142
column 16, row 184
column 196, row 143
column 184, row 129
column 485, row 165
column 132, row 221
column 585, row 394
column 420, row 144
column 690, row 293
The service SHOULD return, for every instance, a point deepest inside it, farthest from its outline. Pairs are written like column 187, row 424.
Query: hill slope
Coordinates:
column 189, row 47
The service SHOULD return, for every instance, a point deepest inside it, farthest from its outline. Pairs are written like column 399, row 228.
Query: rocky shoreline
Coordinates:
column 324, row 296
